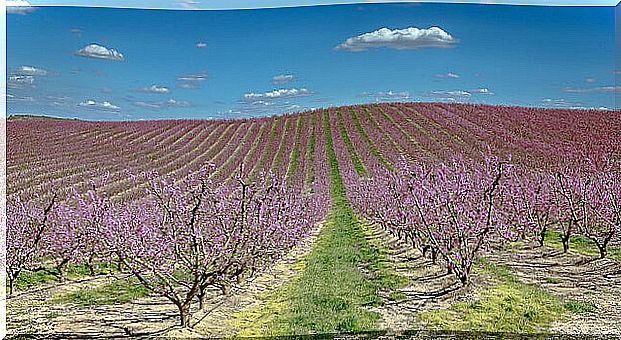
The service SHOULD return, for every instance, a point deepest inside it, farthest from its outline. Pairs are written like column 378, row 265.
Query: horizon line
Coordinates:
column 34, row 116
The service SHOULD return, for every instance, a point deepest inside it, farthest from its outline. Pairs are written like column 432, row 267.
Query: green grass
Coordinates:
column 116, row 292
column 397, row 296
column 580, row 244
column 28, row 279
column 339, row 279
column 579, row 307
column 310, row 156
column 374, row 150
column 52, row 315
column 358, row 165
column 553, row 280
column 270, row 144
column 508, row 306
column 283, row 145
column 294, row 163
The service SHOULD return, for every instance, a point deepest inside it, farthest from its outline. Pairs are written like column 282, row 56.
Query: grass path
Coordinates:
column 341, row 279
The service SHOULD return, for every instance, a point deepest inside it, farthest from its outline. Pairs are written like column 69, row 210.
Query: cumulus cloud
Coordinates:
column 387, row 95
column 201, row 45
column 278, row 94
column 456, row 94
column 599, row 89
column 483, row 90
column 282, row 79
column 100, row 52
column 20, row 7
column 21, row 79
column 449, row 75
column 201, row 76
column 102, row 106
column 30, row 71
column 399, row 39
column 171, row 103
column 158, row 89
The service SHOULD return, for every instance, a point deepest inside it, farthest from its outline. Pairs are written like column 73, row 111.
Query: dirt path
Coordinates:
column 572, row 276
column 569, row 276
column 33, row 312
column 430, row 286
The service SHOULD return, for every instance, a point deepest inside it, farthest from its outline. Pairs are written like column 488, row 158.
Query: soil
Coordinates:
column 570, row 276
column 32, row 312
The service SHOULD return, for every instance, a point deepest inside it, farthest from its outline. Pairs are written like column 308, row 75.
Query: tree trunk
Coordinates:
column 12, row 283
column 184, row 315
column 434, row 255
column 603, row 251
column 565, row 240
column 62, row 270
column 201, row 299
column 464, row 279
column 542, row 236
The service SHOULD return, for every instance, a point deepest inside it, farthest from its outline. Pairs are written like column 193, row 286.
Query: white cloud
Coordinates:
column 483, row 90
column 388, row 95
column 282, row 79
column 189, row 4
column 599, row 89
column 30, row 71
column 400, row 39
column 450, row 75
column 171, row 103
column 201, row 76
column 103, row 106
column 590, row 80
column 455, row 94
column 20, row 7
column 277, row 94
column 201, row 44
column 159, row 89
column 13, row 98
column 100, row 52
column 21, row 79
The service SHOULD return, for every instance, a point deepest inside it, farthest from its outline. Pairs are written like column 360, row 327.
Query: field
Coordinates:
column 394, row 217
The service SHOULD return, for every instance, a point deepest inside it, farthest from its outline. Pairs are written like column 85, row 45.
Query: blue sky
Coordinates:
column 128, row 64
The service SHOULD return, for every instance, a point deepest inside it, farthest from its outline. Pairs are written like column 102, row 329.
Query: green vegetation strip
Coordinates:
column 294, row 163
column 374, row 150
column 116, row 292
column 273, row 134
column 340, row 278
column 310, row 155
column 28, row 279
column 358, row 165
column 280, row 154
column 581, row 245
column 509, row 306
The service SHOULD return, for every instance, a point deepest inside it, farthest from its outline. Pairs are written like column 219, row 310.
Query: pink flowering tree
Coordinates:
column 529, row 198
column 459, row 209
column 570, row 187
column 189, row 235
column 26, row 225
column 602, row 207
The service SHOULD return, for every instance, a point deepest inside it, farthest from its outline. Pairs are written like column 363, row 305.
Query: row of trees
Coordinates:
column 461, row 209
column 182, row 239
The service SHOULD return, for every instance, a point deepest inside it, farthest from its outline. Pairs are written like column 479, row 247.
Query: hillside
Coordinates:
column 57, row 154
column 391, row 216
